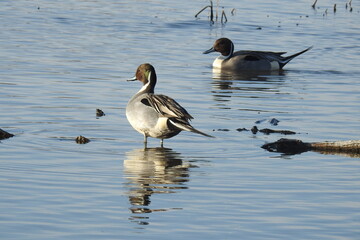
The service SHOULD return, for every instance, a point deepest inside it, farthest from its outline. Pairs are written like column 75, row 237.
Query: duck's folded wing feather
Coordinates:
column 167, row 106
column 260, row 55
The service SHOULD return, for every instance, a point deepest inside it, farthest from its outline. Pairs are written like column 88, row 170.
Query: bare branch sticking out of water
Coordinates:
column 217, row 10
column 223, row 17
column 314, row 5
column 325, row 13
column 211, row 11
column 196, row 15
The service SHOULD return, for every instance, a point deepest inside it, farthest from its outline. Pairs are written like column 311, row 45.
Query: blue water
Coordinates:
column 61, row 60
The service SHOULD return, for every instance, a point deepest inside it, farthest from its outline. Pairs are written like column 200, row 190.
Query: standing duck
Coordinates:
column 155, row 115
column 247, row 60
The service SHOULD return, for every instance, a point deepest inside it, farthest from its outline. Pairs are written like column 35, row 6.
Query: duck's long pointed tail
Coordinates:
column 188, row 127
column 285, row 60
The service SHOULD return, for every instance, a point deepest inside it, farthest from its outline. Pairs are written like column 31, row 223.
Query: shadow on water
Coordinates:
column 152, row 171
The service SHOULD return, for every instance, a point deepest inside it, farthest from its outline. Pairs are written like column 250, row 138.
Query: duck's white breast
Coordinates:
column 217, row 62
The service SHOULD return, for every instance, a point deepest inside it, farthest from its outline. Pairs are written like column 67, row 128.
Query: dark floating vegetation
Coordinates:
column 223, row 14
column 5, row 134
column 81, row 140
column 287, row 146
column 293, row 146
column 255, row 130
column 99, row 113
column 267, row 131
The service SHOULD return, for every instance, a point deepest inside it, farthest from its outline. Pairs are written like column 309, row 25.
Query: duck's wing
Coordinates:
column 260, row 55
column 166, row 106
column 270, row 56
column 177, row 115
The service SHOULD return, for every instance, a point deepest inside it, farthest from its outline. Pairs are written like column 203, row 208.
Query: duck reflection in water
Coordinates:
column 224, row 79
column 227, row 84
column 152, row 171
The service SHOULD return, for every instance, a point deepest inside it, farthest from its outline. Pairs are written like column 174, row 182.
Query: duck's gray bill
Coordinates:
column 132, row 79
column 209, row 51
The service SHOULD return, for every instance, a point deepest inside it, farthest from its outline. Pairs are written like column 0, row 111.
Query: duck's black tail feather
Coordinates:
column 187, row 127
column 285, row 60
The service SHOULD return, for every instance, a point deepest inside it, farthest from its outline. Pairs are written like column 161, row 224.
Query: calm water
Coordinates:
column 61, row 60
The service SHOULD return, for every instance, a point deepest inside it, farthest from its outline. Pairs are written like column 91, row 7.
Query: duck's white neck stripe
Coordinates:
column 231, row 52
column 144, row 87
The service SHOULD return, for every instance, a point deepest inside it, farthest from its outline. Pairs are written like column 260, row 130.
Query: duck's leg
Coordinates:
column 162, row 143
column 145, row 141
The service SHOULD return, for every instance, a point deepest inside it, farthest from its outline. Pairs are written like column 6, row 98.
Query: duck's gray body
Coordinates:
column 156, row 115
column 146, row 120
column 248, row 60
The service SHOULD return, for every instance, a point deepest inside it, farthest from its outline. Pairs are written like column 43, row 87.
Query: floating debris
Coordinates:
column 254, row 129
column 241, row 129
column 223, row 130
column 274, row 121
column 268, row 131
column 5, row 134
column 293, row 146
column 260, row 121
column 99, row 113
column 82, row 140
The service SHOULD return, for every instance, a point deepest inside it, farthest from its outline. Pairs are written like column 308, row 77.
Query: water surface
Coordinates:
column 62, row 60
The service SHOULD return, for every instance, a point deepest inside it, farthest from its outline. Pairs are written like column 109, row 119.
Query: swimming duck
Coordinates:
column 155, row 115
column 248, row 60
